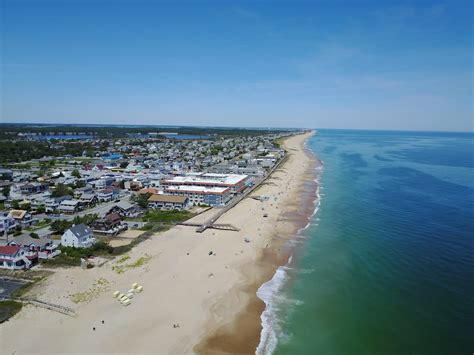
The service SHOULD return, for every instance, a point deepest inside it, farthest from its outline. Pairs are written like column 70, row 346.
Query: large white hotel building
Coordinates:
column 206, row 188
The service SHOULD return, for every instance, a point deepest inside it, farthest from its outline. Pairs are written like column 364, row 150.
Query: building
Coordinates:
column 36, row 248
column 168, row 202
column 34, row 187
column 88, row 200
column 22, row 217
column 52, row 204
column 236, row 183
column 7, row 223
column 212, row 196
column 105, row 195
column 104, row 182
column 6, row 174
column 110, row 224
column 69, row 206
column 83, row 190
column 125, row 209
column 78, row 236
column 148, row 190
column 13, row 257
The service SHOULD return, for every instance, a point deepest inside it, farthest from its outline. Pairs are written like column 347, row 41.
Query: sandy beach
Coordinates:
column 212, row 298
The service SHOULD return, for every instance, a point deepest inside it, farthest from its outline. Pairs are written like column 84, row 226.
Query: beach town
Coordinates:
column 159, row 238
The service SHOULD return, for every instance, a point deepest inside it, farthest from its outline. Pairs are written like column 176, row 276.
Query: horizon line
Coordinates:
column 237, row 127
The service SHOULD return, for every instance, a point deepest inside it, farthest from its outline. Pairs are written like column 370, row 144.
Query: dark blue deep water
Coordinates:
column 387, row 264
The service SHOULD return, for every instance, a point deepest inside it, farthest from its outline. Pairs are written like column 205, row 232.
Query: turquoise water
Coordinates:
column 386, row 265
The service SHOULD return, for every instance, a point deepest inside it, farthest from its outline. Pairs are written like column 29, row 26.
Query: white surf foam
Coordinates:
column 270, row 292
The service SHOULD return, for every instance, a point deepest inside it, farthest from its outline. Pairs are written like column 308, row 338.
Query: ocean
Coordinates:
column 386, row 265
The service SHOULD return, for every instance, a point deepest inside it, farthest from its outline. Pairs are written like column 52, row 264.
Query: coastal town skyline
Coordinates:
column 357, row 65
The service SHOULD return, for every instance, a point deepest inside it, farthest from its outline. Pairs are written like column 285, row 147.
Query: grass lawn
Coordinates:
column 167, row 216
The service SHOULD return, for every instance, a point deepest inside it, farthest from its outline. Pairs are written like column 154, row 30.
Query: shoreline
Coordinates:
column 247, row 332
column 211, row 297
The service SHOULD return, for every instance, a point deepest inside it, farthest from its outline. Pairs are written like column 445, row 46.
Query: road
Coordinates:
column 100, row 209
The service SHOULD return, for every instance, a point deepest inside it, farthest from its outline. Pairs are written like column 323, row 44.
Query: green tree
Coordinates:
column 61, row 190
column 6, row 191
column 76, row 173
column 141, row 199
column 79, row 184
column 60, row 225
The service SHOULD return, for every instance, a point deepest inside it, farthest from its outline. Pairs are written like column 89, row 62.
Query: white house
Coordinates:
column 22, row 217
column 13, row 257
column 69, row 206
column 6, row 223
column 78, row 236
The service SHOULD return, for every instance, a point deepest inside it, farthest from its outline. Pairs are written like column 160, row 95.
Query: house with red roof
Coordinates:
column 13, row 257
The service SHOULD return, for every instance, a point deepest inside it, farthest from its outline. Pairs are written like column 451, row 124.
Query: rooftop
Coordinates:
column 207, row 178
column 167, row 198
column 198, row 189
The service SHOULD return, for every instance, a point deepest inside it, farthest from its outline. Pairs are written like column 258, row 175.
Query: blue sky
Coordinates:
column 325, row 64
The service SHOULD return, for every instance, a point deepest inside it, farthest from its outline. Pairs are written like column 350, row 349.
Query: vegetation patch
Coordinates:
column 123, row 259
column 120, row 267
column 59, row 226
column 100, row 286
column 8, row 309
column 167, row 216
column 71, row 256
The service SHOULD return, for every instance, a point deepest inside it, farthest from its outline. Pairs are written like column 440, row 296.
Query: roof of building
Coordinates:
column 149, row 190
column 18, row 214
column 207, row 179
column 167, row 198
column 9, row 249
column 25, row 240
column 87, row 196
column 125, row 205
column 80, row 230
column 113, row 217
column 69, row 203
column 62, row 198
column 198, row 189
